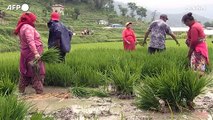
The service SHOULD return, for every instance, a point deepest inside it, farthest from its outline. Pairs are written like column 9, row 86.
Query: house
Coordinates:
column 103, row 22
column 59, row 8
column 209, row 28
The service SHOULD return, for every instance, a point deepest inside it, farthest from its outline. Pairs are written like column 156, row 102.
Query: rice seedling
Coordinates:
column 87, row 92
column 40, row 116
column 88, row 77
column 94, row 66
column 192, row 86
column 52, row 55
column 146, row 98
column 59, row 75
column 7, row 87
column 12, row 108
column 178, row 87
column 79, row 92
column 123, row 79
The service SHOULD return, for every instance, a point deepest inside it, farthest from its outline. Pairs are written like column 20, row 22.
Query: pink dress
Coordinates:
column 129, row 36
column 30, row 44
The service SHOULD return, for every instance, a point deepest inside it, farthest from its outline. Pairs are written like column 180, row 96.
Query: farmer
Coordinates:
column 158, row 30
column 196, row 41
column 59, row 35
column 129, row 38
column 31, row 48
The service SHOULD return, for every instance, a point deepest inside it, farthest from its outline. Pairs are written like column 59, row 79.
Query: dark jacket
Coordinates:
column 59, row 36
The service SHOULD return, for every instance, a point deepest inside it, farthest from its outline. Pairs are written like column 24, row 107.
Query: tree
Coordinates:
column 96, row 4
column 141, row 11
column 153, row 15
column 110, row 5
column 123, row 10
column 208, row 24
column 75, row 13
column 111, row 17
column 133, row 7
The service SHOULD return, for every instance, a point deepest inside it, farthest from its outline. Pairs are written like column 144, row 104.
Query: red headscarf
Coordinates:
column 55, row 16
column 26, row 18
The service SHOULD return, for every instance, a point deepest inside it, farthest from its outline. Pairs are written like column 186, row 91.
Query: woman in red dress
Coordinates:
column 196, row 41
column 129, row 38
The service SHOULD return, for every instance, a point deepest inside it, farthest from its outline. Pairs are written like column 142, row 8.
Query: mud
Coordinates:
column 60, row 104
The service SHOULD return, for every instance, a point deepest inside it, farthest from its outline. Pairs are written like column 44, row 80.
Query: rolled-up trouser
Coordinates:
column 36, row 81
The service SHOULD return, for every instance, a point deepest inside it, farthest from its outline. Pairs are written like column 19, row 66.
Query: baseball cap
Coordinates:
column 164, row 16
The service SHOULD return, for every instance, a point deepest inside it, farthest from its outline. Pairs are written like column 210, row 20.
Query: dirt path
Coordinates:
column 58, row 102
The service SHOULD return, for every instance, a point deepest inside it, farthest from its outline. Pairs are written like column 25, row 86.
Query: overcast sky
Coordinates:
column 202, row 7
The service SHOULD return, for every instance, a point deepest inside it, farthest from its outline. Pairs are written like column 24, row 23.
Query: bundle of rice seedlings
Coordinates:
column 83, row 92
column 87, row 76
column 40, row 116
column 12, row 108
column 52, row 55
column 124, row 79
column 7, row 87
column 79, row 92
column 192, row 86
column 178, row 88
column 146, row 98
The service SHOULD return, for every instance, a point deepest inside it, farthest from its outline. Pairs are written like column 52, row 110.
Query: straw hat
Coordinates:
column 128, row 23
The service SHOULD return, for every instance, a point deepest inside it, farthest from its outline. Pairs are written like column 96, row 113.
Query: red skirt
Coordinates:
column 129, row 47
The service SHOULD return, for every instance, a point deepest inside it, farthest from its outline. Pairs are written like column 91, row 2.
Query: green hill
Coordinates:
column 88, row 18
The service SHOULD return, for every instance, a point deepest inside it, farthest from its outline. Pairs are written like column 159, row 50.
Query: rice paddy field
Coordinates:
column 153, row 82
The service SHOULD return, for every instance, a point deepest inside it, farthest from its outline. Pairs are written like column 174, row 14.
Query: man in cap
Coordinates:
column 159, row 29
column 59, row 35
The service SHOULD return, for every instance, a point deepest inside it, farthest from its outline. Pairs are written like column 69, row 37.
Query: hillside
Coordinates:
column 88, row 19
column 174, row 19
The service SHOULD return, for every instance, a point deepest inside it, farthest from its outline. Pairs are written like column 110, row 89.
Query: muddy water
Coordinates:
column 60, row 104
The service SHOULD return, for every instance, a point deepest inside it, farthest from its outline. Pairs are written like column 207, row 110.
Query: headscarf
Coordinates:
column 55, row 16
column 26, row 18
